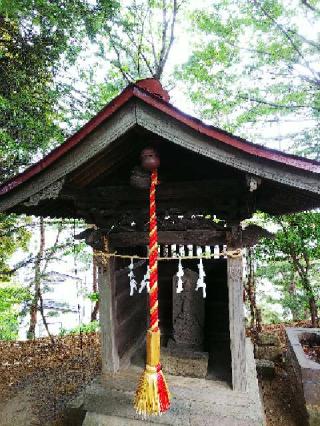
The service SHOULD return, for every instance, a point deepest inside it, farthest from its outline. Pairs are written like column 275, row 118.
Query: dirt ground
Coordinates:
column 37, row 381
column 311, row 348
column 278, row 400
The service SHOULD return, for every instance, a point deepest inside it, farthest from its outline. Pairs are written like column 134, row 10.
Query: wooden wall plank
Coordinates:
column 131, row 311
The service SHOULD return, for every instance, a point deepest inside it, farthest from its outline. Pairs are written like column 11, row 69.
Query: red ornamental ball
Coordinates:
column 150, row 159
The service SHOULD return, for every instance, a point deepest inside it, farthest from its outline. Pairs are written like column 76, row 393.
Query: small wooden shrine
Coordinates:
column 205, row 174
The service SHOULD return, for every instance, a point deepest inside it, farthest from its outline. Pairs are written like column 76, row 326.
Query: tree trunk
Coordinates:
column 95, row 311
column 259, row 320
column 313, row 311
column 33, row 317
column 37, row 282
column 304, row 275
column 44, row 319
column 251, row 290
column 292, row 291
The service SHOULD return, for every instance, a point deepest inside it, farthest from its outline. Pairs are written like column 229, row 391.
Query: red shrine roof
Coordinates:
column 151, row 92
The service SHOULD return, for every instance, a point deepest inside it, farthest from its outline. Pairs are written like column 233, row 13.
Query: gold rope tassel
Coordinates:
column 152, row 395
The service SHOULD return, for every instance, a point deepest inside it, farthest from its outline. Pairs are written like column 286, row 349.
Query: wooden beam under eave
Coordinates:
column 224, row 198
column 202, row 189
column 198, row 237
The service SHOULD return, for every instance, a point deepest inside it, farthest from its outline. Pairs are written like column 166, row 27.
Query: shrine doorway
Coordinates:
column 217, row 333
column 205, row 327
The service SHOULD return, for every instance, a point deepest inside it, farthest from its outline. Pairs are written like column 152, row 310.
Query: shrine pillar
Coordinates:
column 107, row 314
column 236, row 314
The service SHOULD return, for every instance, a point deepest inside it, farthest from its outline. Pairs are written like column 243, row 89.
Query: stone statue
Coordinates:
column 188, row 313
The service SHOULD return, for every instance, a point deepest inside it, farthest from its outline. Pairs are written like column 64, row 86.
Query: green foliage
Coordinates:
column 288, row 288
column 255, row 64
column 136, row 44
column 94, row 296
column 297, row 238
column 13, row 235
column 100, row 94
column 269, row 316
column 38, row 40
column 291, row 261
column 83, row 328
column 11, row 296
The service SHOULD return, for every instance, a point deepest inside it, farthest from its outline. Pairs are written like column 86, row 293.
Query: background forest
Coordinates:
column 251, row 67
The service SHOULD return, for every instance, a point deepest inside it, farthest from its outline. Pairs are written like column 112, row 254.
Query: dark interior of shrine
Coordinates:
column 216, row 336
column 132, row 318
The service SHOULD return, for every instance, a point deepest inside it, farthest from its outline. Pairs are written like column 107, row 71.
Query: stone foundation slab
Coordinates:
column 304, row 375
column 196, row 402
column 184, row 362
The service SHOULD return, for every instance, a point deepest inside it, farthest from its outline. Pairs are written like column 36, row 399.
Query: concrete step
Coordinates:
column 94, row 419
column 194, row 401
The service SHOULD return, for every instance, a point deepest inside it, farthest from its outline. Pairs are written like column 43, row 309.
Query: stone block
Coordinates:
column 313, row 415
column 184, row 362
column 265, row 368
column 74, row 413
column 310, row 374
column 267, row 339
column 304, row 375
column 311, row 392
column 95, row 419
column 188, row 311
column 271, row 353
column 203, row 420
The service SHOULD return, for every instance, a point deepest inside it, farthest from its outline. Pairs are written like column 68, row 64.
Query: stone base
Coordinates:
column 181, row 361
column 304, row 375
column 74, row 414
column 196, row 402
column 95, row 419
column 271, row 353
column 265, row 368
column 268, row 339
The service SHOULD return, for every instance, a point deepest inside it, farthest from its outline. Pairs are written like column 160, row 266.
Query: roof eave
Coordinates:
column 156, row 102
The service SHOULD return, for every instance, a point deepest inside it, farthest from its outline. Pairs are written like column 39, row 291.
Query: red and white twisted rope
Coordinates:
column 153, row 255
